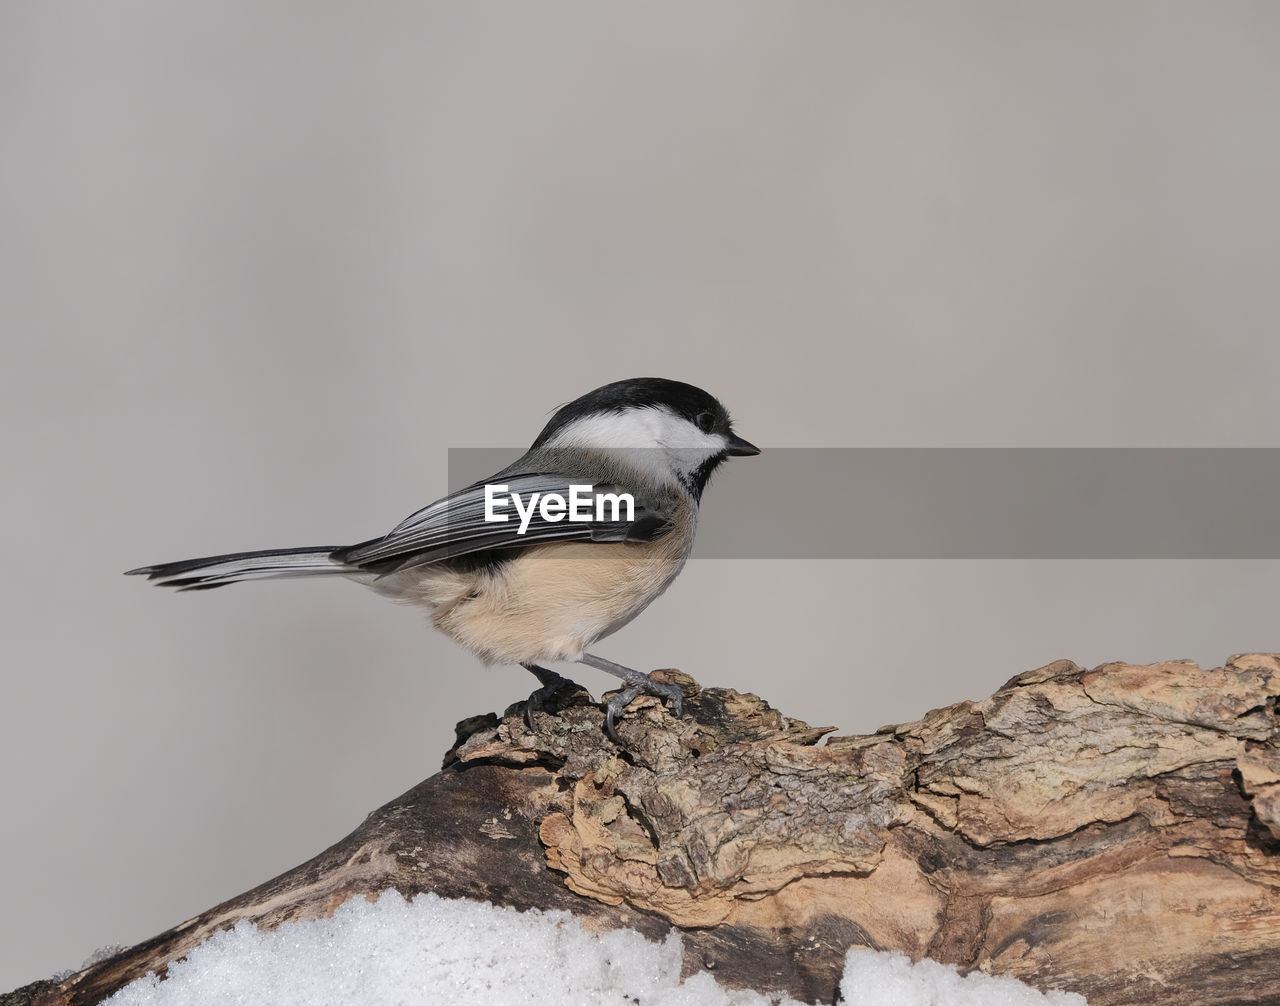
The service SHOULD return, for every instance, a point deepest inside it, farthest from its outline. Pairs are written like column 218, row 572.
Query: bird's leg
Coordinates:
column 637, row 683
column 551, row 683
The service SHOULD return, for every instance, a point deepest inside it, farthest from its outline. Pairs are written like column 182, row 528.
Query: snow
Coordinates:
column 464, row 953
column 887, row 979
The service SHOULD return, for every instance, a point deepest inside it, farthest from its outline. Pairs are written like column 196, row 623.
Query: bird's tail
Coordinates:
column 218, row 570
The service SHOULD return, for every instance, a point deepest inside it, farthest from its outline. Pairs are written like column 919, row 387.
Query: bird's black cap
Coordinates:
column 693, row 404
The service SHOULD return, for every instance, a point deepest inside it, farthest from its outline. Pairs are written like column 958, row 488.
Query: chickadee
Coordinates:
column 522, row 583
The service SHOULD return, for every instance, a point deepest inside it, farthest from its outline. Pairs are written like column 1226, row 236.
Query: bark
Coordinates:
column 1114, row 832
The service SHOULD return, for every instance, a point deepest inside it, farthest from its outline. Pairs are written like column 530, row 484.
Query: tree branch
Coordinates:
column 1113, row 831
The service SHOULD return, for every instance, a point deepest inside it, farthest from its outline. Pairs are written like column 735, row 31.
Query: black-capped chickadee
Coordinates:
column 554, row 552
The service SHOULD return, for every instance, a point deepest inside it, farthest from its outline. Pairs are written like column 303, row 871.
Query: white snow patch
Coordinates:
column 464, row 953
column 882, row 979
column 430, row 951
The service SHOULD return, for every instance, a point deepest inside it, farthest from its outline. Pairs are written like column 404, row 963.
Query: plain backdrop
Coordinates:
column 263, row 264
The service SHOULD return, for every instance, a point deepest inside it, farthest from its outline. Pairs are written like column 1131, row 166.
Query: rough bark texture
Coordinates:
column 1113, row 831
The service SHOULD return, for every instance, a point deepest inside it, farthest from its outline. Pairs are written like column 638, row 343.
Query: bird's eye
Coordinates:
column 706, row 422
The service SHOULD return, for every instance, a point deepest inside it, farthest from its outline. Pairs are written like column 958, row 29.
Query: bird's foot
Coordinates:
column 642, row 685
column 544, row 696
column 637, row 683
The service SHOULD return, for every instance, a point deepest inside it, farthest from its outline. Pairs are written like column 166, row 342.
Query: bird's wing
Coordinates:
column 456, row 525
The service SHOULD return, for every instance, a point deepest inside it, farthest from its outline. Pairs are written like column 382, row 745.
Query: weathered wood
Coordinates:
column 1113, row 831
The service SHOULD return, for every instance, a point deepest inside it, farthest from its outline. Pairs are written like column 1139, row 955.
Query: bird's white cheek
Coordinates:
column 658, row 441
column 635, row 428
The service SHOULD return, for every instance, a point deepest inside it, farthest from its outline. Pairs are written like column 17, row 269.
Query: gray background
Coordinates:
column 263, row 264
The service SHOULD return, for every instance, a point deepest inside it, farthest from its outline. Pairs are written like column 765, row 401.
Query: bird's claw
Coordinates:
column 540, row 698
column 622, row 699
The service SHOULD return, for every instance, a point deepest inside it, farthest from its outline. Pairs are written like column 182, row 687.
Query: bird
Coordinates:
column 511, row 568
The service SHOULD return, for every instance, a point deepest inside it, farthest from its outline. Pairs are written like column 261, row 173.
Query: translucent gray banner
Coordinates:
column 979, row 503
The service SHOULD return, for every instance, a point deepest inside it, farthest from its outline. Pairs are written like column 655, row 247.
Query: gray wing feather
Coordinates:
column 456, row 525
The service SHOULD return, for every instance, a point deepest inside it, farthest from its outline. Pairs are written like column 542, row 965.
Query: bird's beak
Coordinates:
column 739, row 448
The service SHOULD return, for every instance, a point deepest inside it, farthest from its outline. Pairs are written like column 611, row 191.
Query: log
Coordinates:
column 1113, row 832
